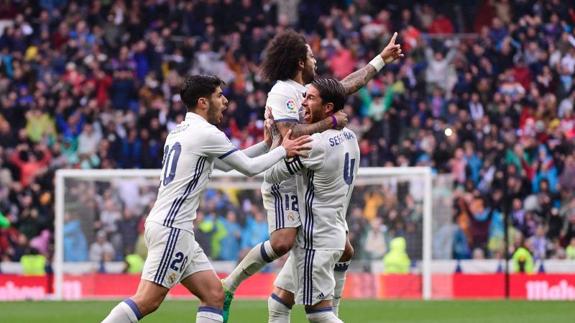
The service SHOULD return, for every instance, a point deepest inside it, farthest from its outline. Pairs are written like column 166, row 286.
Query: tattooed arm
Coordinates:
column 359, row 78
column 356, row 80
column 300, row 129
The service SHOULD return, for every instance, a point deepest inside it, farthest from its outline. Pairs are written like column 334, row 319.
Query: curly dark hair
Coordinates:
column 197, row 86
column 282, row 56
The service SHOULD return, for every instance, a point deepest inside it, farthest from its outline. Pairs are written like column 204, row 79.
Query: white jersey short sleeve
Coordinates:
column 218, row 145
column 285, row 99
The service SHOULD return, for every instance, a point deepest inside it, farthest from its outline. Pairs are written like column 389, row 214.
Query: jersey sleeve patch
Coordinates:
column 294, row 165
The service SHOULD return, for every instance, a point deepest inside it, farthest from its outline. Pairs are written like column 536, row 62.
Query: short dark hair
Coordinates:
column 282, row 56
column 330, row 90
column 197, row 86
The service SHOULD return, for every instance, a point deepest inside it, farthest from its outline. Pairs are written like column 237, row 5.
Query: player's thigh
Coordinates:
column 283, row 240
column 200, row 278
column 315, row 272
column 206, row 286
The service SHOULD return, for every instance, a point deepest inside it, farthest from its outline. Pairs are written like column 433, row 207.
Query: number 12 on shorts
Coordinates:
column 292, row 201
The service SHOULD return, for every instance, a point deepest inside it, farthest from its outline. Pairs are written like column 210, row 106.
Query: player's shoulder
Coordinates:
column 334, row 138
column 193, row 129
column 287, row 88
column 279, row 86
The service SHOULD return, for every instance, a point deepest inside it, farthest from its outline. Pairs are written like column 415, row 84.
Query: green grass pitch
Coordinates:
column 351, row 311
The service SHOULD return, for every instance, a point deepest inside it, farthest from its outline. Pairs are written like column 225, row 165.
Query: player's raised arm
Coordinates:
column 253, row 166
column 359, row 78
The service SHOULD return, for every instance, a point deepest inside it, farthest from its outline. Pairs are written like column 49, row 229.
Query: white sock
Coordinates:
column 339, row 273
column 207, row 314
column 278, row 311
column 124, row 312
column 323, row 315
column 253, row 262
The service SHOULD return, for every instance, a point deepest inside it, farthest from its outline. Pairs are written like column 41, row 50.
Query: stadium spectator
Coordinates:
column 375, row 243
column 231, row 242
column 522, row 261
column 101, row 250
column 255, row 230
column 396, row 260
column 75, row 245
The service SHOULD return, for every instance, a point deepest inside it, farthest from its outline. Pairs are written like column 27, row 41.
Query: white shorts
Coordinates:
column 308, row 274
column 281, row 204
column 173, row 255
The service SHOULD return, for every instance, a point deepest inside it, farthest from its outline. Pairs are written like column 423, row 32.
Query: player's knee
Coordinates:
column 215, row 297
column 147, row 305
column 282, row 241
column 282, row 247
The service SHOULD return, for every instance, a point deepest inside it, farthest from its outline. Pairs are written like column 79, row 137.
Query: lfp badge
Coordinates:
column 291, row 105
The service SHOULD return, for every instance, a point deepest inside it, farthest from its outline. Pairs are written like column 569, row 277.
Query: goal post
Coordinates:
column 69, row 183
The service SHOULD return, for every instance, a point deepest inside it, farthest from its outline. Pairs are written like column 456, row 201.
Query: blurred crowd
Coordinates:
column 104, row 218
column 485, row 93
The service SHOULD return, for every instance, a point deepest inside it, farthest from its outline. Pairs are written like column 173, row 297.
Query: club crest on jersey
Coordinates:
column 172, row 278
column 290, row 104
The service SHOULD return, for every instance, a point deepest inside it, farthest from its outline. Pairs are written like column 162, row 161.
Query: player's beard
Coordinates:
column 214, row 114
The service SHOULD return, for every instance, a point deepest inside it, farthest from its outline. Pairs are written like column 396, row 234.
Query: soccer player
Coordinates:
column 290, row 63
column 325, row 186
column 189, row 154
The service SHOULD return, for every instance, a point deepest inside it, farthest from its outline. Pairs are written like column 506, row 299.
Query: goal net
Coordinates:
column 100, row 216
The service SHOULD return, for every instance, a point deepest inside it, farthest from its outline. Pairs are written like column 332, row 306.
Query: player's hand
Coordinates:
column 299, row 146
column 341, row 118
column 392, row 51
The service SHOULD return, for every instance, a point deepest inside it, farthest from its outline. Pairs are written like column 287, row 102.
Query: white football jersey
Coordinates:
column 189, row 154
column 284, row 99
column 325, row 180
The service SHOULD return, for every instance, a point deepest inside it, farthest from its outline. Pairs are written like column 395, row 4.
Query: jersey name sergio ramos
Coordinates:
column 280, row 199
column 189, row 154
column 324, row 185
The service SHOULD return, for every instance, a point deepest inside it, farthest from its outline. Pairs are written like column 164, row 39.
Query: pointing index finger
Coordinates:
column 392, row 41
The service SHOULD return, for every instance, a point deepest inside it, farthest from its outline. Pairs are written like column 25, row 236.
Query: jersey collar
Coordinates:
column 192, row 115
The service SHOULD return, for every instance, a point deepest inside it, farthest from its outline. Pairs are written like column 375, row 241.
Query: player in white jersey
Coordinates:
column 290, row 63
column 190, row 152
column 325, row 181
